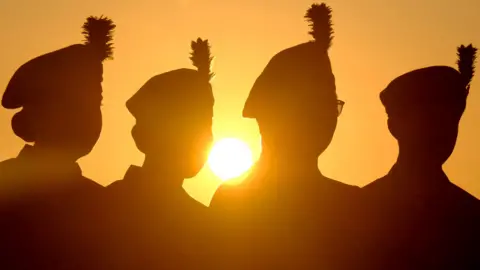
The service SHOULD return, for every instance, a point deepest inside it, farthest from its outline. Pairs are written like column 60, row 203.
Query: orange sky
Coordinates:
column 375, row 41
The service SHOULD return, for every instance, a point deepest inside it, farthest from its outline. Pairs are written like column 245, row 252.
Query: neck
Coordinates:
column 288, row 164
column 53, row 155
column 51, row 165
column 159, row 169
column 414, row 164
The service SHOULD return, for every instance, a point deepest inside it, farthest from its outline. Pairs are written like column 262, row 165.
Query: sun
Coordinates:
column 230, row 158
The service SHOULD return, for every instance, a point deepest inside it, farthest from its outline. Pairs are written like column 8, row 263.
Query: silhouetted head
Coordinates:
column 60, row 94
column 424, row 107
column 174, row 112
column 294, row 100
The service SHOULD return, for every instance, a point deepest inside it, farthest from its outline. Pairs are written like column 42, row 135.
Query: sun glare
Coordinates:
column 230, row 158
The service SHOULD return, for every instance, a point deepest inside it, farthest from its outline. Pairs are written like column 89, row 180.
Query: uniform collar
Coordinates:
column 272, row 177
column 42, row 165
column 38, row 177
column 417, row 180
column 397, row 173
column 133, row 172
column 136, row 177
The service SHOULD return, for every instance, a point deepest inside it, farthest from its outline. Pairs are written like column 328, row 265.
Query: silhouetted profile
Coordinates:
column 419, row 219
column 43, row 191
column 280, row 216
column 154, row 223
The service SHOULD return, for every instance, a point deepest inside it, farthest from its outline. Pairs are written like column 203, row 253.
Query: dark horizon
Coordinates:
column 385, row 48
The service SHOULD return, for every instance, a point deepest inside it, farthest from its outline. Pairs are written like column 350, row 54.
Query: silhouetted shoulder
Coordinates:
column 463, row 203
column 120, row 191
column 333, row 198
column 326, row 192
column 340, row 186
column 114, row 186
column 118, row 201
column 467, row 198
column 6, row 163
column 379, row 183
column 379, row 190
column 129, row 185
column 90, row 185
column 370, row 196
column 227, row 194
column 8, row 166
column 22, row 175
column 7, row 170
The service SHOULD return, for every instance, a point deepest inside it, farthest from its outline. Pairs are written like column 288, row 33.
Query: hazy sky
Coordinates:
column 375, row 40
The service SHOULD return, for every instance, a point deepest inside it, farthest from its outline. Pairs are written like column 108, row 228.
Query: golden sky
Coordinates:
column 375, row 41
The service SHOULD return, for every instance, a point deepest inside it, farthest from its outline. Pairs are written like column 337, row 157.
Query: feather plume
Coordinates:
column 98, row 32
column 319, row 17
column 201, row 57
column 466, row 63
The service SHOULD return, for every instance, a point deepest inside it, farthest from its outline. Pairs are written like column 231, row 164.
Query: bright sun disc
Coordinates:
column 230, row 158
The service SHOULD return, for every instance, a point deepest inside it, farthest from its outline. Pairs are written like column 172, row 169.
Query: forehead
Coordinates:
column 200, row 105
column 186, row 106
column 427, row 113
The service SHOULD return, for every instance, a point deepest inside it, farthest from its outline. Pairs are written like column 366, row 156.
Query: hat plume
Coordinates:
column 319, row 17
column 98, row 32
column 202, row 58
column 466, row 63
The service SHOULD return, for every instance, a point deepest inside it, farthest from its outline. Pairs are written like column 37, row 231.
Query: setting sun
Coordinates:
column 230, row 158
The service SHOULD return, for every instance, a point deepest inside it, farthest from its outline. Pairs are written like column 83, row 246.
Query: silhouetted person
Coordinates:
column 418, row 218
column 283, row 211
column 42, row 190
column 154, row 223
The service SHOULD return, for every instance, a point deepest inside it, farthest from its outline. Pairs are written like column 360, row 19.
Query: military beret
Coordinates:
column 52, row 77
column 177, row 90
column 435, row 85
column 297, row 74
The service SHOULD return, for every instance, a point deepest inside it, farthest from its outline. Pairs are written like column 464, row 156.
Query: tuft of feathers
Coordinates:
column 201, row 57
column 319, row 17
column 466, row 63
column 98, row 32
